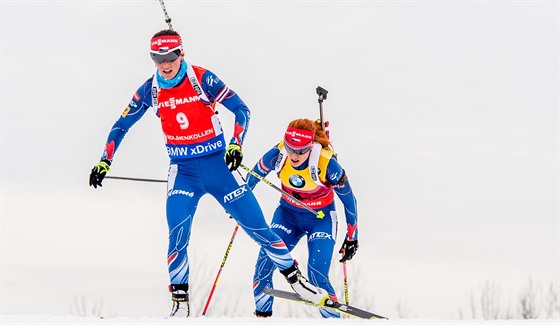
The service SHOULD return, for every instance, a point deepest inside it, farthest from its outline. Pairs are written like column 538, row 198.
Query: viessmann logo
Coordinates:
column 174, row 102
column 169, row 41
column 299, row 135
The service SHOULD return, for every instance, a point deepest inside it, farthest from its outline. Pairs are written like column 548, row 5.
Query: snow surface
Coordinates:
column 50, row 319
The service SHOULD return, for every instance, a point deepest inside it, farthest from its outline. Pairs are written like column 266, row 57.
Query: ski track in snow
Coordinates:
column 55, row 319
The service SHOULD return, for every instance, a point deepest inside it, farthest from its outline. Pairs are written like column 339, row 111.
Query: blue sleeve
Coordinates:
column 338, row 178
column 263, row 167
column 218, row 92
column 139, row 104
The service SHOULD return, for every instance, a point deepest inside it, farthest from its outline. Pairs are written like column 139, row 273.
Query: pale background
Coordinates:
column 444, row 115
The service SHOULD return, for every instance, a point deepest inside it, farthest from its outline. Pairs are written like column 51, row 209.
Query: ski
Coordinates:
column 332, row 305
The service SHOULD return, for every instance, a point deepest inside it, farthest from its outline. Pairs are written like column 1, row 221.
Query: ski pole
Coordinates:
column 227, row 250
column 167, row 19
column 220, row 270
column 137, row 179
column 346, row 299
column 319, row 214
column 322, row 92
column 223, row 260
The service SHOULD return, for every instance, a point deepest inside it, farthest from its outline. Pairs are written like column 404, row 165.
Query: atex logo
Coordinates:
column 230, row 197
column 319, row 235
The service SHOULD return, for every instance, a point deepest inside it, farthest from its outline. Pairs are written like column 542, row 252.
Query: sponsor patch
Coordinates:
column 296, row 181
column 125, row 112
column 238, row 193
column 179, row 192
column 319, row 235
column 281, row 227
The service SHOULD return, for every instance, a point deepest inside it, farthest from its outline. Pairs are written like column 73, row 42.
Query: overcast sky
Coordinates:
column 444, row 115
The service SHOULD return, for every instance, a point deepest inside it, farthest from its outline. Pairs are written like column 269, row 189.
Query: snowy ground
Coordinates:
column 49, row 319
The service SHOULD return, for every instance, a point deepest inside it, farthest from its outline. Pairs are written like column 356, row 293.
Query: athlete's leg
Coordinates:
column 320, row 244
column 238, row 200
column 264, row 268
column 236, row 197
column 183, row 195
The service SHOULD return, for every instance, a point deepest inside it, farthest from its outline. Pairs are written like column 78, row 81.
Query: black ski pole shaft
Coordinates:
column 319, row 214
column 137, row 179
column 167, row 19
column 322, row 92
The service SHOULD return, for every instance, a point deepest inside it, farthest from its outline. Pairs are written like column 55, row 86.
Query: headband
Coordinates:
column 165, row 44
column 298, row 139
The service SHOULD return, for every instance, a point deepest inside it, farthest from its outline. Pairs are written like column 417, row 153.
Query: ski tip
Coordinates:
column 378, row 317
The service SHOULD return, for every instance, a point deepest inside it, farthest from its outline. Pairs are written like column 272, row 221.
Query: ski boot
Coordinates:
column 303, row 288
column 263, row 314
column 180, row 298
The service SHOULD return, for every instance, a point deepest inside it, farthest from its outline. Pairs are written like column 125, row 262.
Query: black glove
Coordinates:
column 233, row 156
column 348, row 250
column 98, row 173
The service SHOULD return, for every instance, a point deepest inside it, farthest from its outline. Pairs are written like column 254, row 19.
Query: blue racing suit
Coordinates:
column 291, row 222
column 196, row 147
